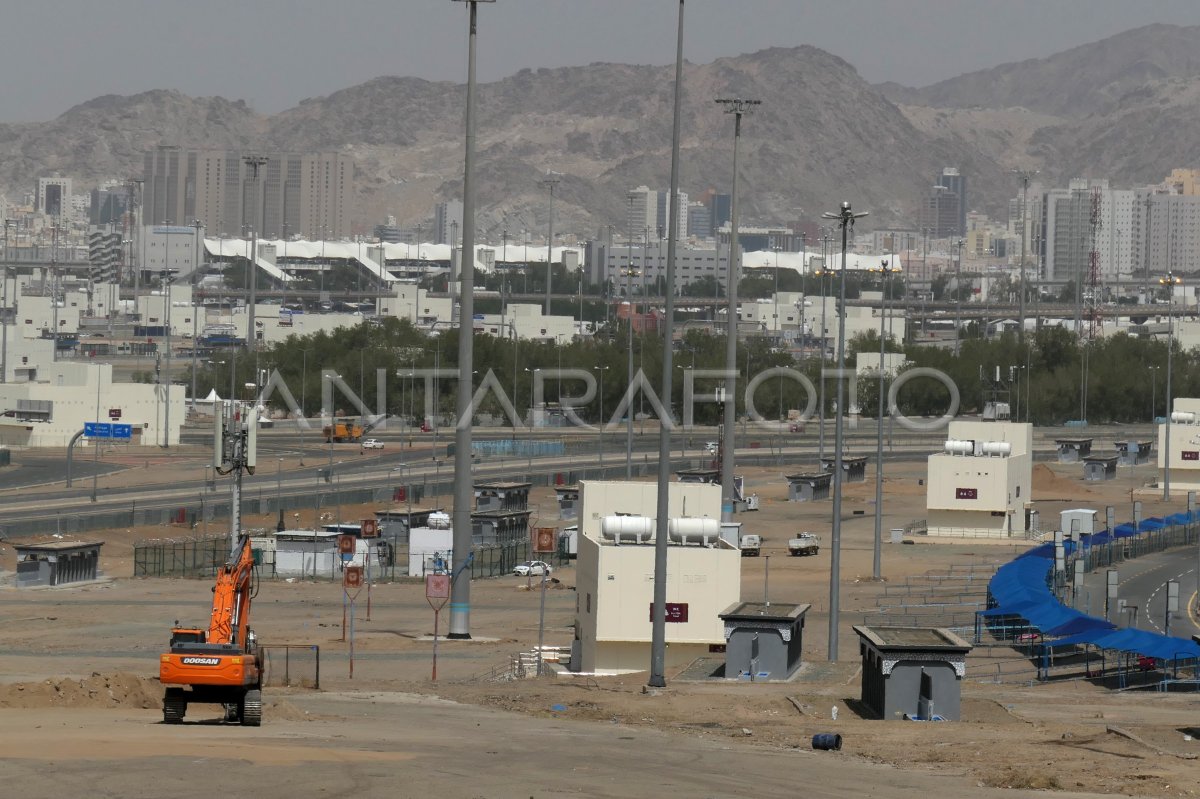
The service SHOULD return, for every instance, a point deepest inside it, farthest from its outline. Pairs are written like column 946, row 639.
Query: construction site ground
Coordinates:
column 79, row 705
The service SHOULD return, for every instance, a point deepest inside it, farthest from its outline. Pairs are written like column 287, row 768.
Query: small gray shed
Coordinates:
column 1133, row 453
column 1097, row 468
column 808, row 487
column 502, row 496
column 763, row 641
column 394, row 524
column 854, row 470
column 1073, row 450
column 568, row 501
column 913, row 672
column 57, row 562
column 495, row 527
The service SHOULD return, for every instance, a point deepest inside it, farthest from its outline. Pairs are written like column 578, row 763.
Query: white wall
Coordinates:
column 615, row 585
column 1002, row 484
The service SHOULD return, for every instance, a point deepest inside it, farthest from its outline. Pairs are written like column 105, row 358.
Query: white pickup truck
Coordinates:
column 750, row 545
column 804, row 544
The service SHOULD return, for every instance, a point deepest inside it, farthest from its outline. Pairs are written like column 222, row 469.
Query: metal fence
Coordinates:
column 292, row 665
column 183, row 557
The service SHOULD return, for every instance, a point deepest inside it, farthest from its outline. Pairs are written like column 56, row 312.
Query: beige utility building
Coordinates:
column 1184, row 451
column 980, row 485
column 615, row 576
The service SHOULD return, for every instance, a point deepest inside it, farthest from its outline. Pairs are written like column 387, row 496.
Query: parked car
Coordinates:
column 532, row 568
column 372, row 443
column 711, row 448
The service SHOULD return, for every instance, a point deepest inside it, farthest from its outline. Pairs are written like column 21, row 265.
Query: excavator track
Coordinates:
column 174, row 706
column 252, row 709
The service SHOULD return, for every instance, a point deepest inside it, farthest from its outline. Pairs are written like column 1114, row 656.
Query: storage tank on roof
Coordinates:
column 959, row 447
column 1183, row 417
column 996, row 448
column 627, row 528
column 694, row 530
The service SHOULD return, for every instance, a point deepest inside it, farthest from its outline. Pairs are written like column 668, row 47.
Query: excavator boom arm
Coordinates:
column 231, row 599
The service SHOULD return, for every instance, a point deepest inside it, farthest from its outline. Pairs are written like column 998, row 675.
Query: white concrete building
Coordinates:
column 525, row 321
column 615, row 577
column 1184, row 452
column 410, row 302
column 980, row 485
column 48, row 410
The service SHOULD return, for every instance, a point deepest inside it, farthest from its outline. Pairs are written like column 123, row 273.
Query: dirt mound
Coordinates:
column 285, row 711
column 1049, row 485
column 98, row 690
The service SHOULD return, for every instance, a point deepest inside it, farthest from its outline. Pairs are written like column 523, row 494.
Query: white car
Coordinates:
column 372, row 443
column 532, row 568
column 711, row 448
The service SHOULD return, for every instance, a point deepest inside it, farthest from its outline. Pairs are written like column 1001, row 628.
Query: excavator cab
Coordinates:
column 183, row 636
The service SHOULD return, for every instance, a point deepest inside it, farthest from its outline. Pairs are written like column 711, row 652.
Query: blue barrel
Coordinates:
column 827, row 741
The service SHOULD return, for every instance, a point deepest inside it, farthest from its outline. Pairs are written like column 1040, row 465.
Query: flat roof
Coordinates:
column 1072, row 441
column 1100, row 458
column 845, row 458
column 572, row 487
column 809, row 476
column 499, row 486
column 782, row 611
column 937, row 638
column 58, row 546
column 415, row 510
column 493, row 514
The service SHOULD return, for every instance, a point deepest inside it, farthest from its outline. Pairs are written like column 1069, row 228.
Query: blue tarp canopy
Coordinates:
column 1125, row 530
column 1140, row 642
column 1020, row 588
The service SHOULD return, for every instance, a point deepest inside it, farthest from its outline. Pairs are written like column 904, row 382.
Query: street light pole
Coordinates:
column 658, row 635
column 958, row 297
column 1171, row 281
column 460, row 596
column 254, row 162
column 197, row 224
column 550, row 181
column 877, row 559
column 738, row 107
column 845, row 218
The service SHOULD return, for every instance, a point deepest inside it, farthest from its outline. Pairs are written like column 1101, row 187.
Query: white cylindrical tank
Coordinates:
column 996, row 448
column 686, row 530
column 627, row 528
column 959, row 447
column 1182, row 417
column 439, row 520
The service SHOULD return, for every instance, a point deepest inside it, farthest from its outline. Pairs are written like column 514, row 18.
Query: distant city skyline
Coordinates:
column 274, row 53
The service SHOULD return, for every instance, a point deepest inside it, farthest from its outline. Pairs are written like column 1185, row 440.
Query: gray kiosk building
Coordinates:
column 763, row 640
column 912, row 672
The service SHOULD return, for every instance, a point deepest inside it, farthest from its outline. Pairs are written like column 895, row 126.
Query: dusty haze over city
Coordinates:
column 274, row 53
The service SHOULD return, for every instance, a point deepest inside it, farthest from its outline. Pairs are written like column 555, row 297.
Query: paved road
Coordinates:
column 1142, row 584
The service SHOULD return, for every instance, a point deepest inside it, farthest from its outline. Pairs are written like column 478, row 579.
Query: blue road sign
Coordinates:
column 122, row 431
column 97, row 429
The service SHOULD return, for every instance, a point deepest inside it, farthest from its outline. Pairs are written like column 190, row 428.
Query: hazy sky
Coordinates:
column 272, row 53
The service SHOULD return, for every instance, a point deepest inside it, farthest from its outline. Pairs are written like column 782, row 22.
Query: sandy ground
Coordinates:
column 79, row 700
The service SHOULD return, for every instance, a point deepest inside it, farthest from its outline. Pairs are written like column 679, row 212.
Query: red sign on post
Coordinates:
column 369, row 528
column 352, row 577
column 437, row 590
column 544, row 542
column 677, row 612
column 347, row 545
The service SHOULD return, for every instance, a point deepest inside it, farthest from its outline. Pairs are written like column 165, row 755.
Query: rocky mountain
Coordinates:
column 1119, row 108
column 1073, row 83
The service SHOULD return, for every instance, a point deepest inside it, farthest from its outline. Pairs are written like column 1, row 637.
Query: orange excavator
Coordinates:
column 222, row 664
